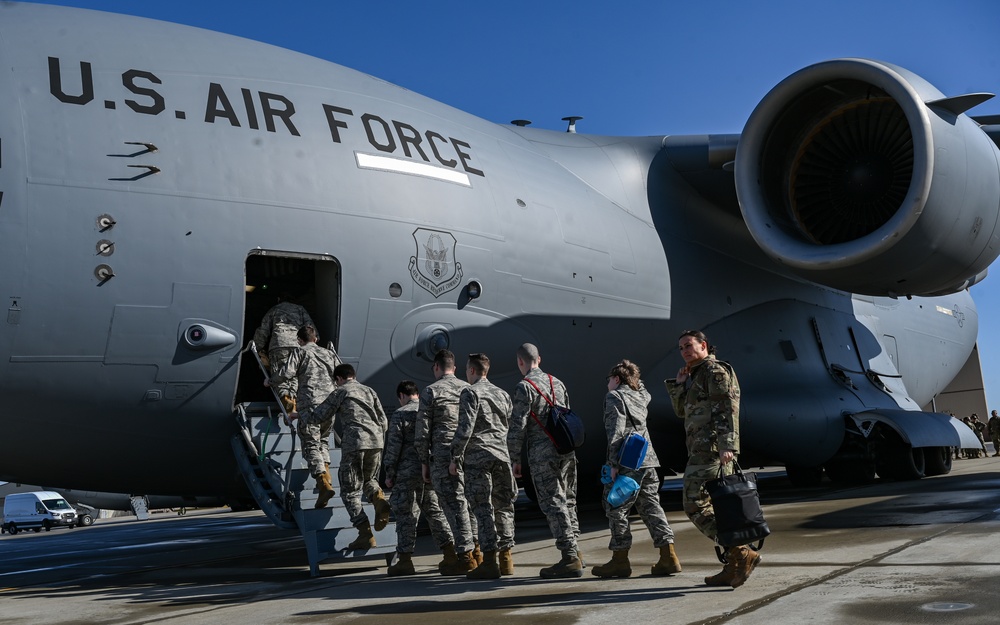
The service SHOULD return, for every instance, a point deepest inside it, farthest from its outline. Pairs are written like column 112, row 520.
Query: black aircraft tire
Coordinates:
column 903, row 463
column 86, row 520
column 937, row 461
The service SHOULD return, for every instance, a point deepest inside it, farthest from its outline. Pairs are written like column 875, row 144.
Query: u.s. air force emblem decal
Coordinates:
column 434, row 268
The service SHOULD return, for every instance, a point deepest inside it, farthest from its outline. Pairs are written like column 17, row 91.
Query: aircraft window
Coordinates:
column 57, row 504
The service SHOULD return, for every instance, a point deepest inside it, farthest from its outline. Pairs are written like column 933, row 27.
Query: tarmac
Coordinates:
column 891, row 552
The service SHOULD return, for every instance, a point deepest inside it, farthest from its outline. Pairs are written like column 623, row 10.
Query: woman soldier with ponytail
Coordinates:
column 624, row 412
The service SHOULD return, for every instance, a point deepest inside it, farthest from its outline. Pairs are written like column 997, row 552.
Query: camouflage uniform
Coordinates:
column 618, row 423
column 277, row 337
column 553, row 475
column 311, row 366
column 994, row 428
column 480, row 447
column 437, row 420
column 363, row 423
column 709, row 403
column 410, row 496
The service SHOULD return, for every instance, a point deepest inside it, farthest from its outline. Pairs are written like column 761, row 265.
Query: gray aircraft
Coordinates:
column 160, row 184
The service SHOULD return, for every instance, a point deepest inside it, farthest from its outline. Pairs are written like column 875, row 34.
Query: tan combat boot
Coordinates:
column 477, row 555
column 725, row 576
column 463, row 564
column 450, row 557
column 365, row 540
column 403, row 566
column 745, row 560
column 618, row 566
column 668, row 564
column 568, row 566
column 382, row 510
column 488, row 569
column 325, row 487
column 506, row 562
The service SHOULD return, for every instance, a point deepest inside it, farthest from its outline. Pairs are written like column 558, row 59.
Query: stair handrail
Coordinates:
column 252, row 348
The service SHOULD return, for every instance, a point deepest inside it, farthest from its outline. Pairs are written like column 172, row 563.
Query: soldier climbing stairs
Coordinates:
column 278, row 476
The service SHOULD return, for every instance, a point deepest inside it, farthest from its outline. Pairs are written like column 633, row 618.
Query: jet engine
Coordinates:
column 862, row 176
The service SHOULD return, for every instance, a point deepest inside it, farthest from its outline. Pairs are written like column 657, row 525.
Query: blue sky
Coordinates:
column 629, row 68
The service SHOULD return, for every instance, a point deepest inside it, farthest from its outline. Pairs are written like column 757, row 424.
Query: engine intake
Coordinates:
column 858, row 175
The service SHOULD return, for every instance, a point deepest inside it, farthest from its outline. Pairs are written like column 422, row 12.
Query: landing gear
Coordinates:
column 937, row 461
column 877, row 447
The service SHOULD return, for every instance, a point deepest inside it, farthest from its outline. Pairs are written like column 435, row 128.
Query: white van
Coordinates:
column 36, row 511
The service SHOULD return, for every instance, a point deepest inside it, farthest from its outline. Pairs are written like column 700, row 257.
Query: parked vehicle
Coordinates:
column 37, row 511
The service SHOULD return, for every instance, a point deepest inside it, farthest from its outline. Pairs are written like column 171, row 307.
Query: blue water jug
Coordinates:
column 622, row 490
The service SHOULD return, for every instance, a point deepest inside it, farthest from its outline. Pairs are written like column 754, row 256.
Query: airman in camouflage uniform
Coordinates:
column 276, row 339
column 312, row 367
column 480, row 448
column 625, row 411
column 437, row 420
column 363, row 424
column 994, row 427
column 706, row 394
column 410, row 496
column 553, row 474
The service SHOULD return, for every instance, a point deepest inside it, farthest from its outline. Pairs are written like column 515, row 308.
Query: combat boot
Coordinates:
column 382, row 510
column 477, row 555
column 618, row 566
column 506, row 562
column 745, row 560
column 725, row 576
column 365, row 540
column 568, row 566
column 463, row 564
column 403, row 566
column 488, row 569
column 326, row 491
column 668, row 564
column 450, row 557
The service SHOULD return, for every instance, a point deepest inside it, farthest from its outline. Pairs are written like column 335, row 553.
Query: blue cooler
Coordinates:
column 622, row 490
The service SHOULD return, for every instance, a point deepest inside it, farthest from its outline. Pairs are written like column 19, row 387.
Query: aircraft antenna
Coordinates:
column 521, row 123
column 572, row 119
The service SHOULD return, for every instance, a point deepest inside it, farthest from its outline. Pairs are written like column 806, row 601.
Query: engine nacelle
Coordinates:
column 861, row 176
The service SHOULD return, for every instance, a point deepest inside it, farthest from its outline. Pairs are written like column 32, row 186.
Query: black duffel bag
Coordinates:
column 738, row 516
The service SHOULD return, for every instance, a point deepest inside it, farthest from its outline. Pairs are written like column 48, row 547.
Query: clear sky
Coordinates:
column 642, row 67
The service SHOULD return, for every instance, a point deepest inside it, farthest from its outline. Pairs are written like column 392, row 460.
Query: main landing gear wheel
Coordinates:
column 900, row 461
column 937, row 461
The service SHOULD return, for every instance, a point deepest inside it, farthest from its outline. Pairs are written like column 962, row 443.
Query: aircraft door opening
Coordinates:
column 310, row 280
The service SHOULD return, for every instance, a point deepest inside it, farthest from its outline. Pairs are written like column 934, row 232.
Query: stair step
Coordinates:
column 282, row 485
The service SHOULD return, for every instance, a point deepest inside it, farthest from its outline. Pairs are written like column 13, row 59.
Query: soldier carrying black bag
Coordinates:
column 706, row 394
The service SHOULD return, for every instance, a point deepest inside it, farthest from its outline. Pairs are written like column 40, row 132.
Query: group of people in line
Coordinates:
column 980, row 429
column 452, row 452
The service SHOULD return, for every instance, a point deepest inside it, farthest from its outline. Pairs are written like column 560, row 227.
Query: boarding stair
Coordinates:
column 268, row 453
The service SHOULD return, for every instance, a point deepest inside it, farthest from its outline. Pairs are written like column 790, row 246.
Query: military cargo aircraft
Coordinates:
column 160, row 183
